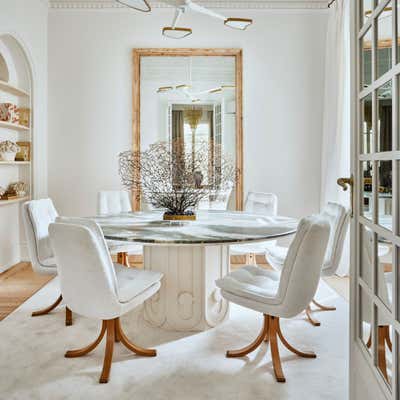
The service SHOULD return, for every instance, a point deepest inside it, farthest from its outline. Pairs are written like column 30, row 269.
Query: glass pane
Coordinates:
column 366, row 59
column 398, row 32
column 385, row 194
column 367, row 7
column 384, row 347
column 385, row 35
column 384, row 274
column 366, row 109
column 365, row 330
column 366, row 254
column 385, row 123
column 366, row 195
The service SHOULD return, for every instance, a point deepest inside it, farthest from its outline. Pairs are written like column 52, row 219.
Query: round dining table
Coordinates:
column 192, row 255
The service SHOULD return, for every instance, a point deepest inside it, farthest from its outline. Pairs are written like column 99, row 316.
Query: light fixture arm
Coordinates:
column 178, row 13
column 203, row 10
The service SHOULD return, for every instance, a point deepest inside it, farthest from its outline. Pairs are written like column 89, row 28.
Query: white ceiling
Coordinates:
column 241, row 4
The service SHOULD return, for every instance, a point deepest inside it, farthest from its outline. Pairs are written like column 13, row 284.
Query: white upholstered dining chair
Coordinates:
column 338, row 218
column 37, row 216
column 257, row 203
column 252, row 287
column 116, row 202
column 94, row 287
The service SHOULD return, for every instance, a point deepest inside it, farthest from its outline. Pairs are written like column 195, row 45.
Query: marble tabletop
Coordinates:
column 210, row 227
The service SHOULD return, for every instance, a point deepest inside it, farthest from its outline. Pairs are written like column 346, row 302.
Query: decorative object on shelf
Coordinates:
column 24, row 153
column 9, row 113
column 167, row 175
column 9, row 195
column 8, row 150
column 175, row 32
column 20, row 188
column 25, row 116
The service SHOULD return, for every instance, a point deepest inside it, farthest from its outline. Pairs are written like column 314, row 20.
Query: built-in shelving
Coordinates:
column 15, row 162
column 17, row 127
column 7, row 87
column 19, row 200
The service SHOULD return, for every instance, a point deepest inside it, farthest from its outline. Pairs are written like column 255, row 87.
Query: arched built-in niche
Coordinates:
column 15, row 88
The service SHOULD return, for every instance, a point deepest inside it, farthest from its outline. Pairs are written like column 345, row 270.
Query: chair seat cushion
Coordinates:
column 132, row 282
column 252, row 282
column 120, row 246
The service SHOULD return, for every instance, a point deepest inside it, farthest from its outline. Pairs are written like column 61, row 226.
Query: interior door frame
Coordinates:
column 138, row 53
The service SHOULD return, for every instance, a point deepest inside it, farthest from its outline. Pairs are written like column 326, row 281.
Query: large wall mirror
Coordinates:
column 192, row 97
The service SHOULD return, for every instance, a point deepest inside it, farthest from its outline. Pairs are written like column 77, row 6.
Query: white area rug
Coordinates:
column 188, row 366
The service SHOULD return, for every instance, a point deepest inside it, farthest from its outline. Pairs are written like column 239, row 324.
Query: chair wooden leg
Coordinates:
column 68, row 317
column 117, row 335
column 312, row 320
column 323, row 308
column 305, row 354
column 48, row 309
column 252, row 346
column 387, row 338
column 122, row 258
column 91, row 347
column 129, row 345
column 382, row 352
column 105, row 373
column 276, row 359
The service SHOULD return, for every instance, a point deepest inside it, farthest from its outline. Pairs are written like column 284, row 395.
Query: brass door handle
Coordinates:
column 345, row 183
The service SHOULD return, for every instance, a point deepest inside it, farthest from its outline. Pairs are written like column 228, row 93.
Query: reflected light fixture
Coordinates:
column 175, row 32
column 184, row 5
column 164, row 89
column 139, row 5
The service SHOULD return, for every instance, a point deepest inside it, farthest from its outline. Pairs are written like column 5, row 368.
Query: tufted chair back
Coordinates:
column 301, row 271
column 87, row 276
column 338, row 218
column 113, row 202
column 37, row 215
column 261, row 203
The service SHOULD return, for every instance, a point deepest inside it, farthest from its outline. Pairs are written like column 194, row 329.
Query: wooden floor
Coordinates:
column 19, row 283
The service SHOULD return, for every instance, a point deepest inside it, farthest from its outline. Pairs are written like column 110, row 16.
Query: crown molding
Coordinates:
column 248, row 5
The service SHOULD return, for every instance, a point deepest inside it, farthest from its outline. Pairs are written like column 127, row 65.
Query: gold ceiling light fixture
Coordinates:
column 139, row 5
column 184, row 86
column 175, row 32
column 183, row 5
column 238, row 23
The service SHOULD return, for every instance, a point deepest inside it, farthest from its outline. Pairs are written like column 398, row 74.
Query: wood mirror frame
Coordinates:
column 148, row 52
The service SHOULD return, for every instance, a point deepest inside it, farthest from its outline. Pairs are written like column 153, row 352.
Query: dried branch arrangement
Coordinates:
column 170, row 178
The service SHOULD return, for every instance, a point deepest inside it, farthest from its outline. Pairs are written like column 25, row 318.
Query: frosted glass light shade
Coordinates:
column 238, row 23
column 140, row 5
column 176, row 33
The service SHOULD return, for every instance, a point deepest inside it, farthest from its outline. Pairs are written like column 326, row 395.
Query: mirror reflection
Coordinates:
column 190, row 102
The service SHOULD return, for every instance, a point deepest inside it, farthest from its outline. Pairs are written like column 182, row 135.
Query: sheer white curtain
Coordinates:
column 335, row 155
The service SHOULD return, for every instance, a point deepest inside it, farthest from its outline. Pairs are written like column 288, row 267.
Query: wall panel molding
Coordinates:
column 254, row 5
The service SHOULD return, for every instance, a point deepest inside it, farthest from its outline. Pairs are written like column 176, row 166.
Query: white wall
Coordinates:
column 26, row 21
column 90, row 98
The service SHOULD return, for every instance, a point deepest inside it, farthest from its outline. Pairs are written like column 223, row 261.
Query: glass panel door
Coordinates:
column 376, row 158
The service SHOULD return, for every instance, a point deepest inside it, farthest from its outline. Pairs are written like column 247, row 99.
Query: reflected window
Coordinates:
column 384, row 42
column 385, row 122
column 367, row 128
column 385, row 194
column 366, row 59
column 366, row 187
